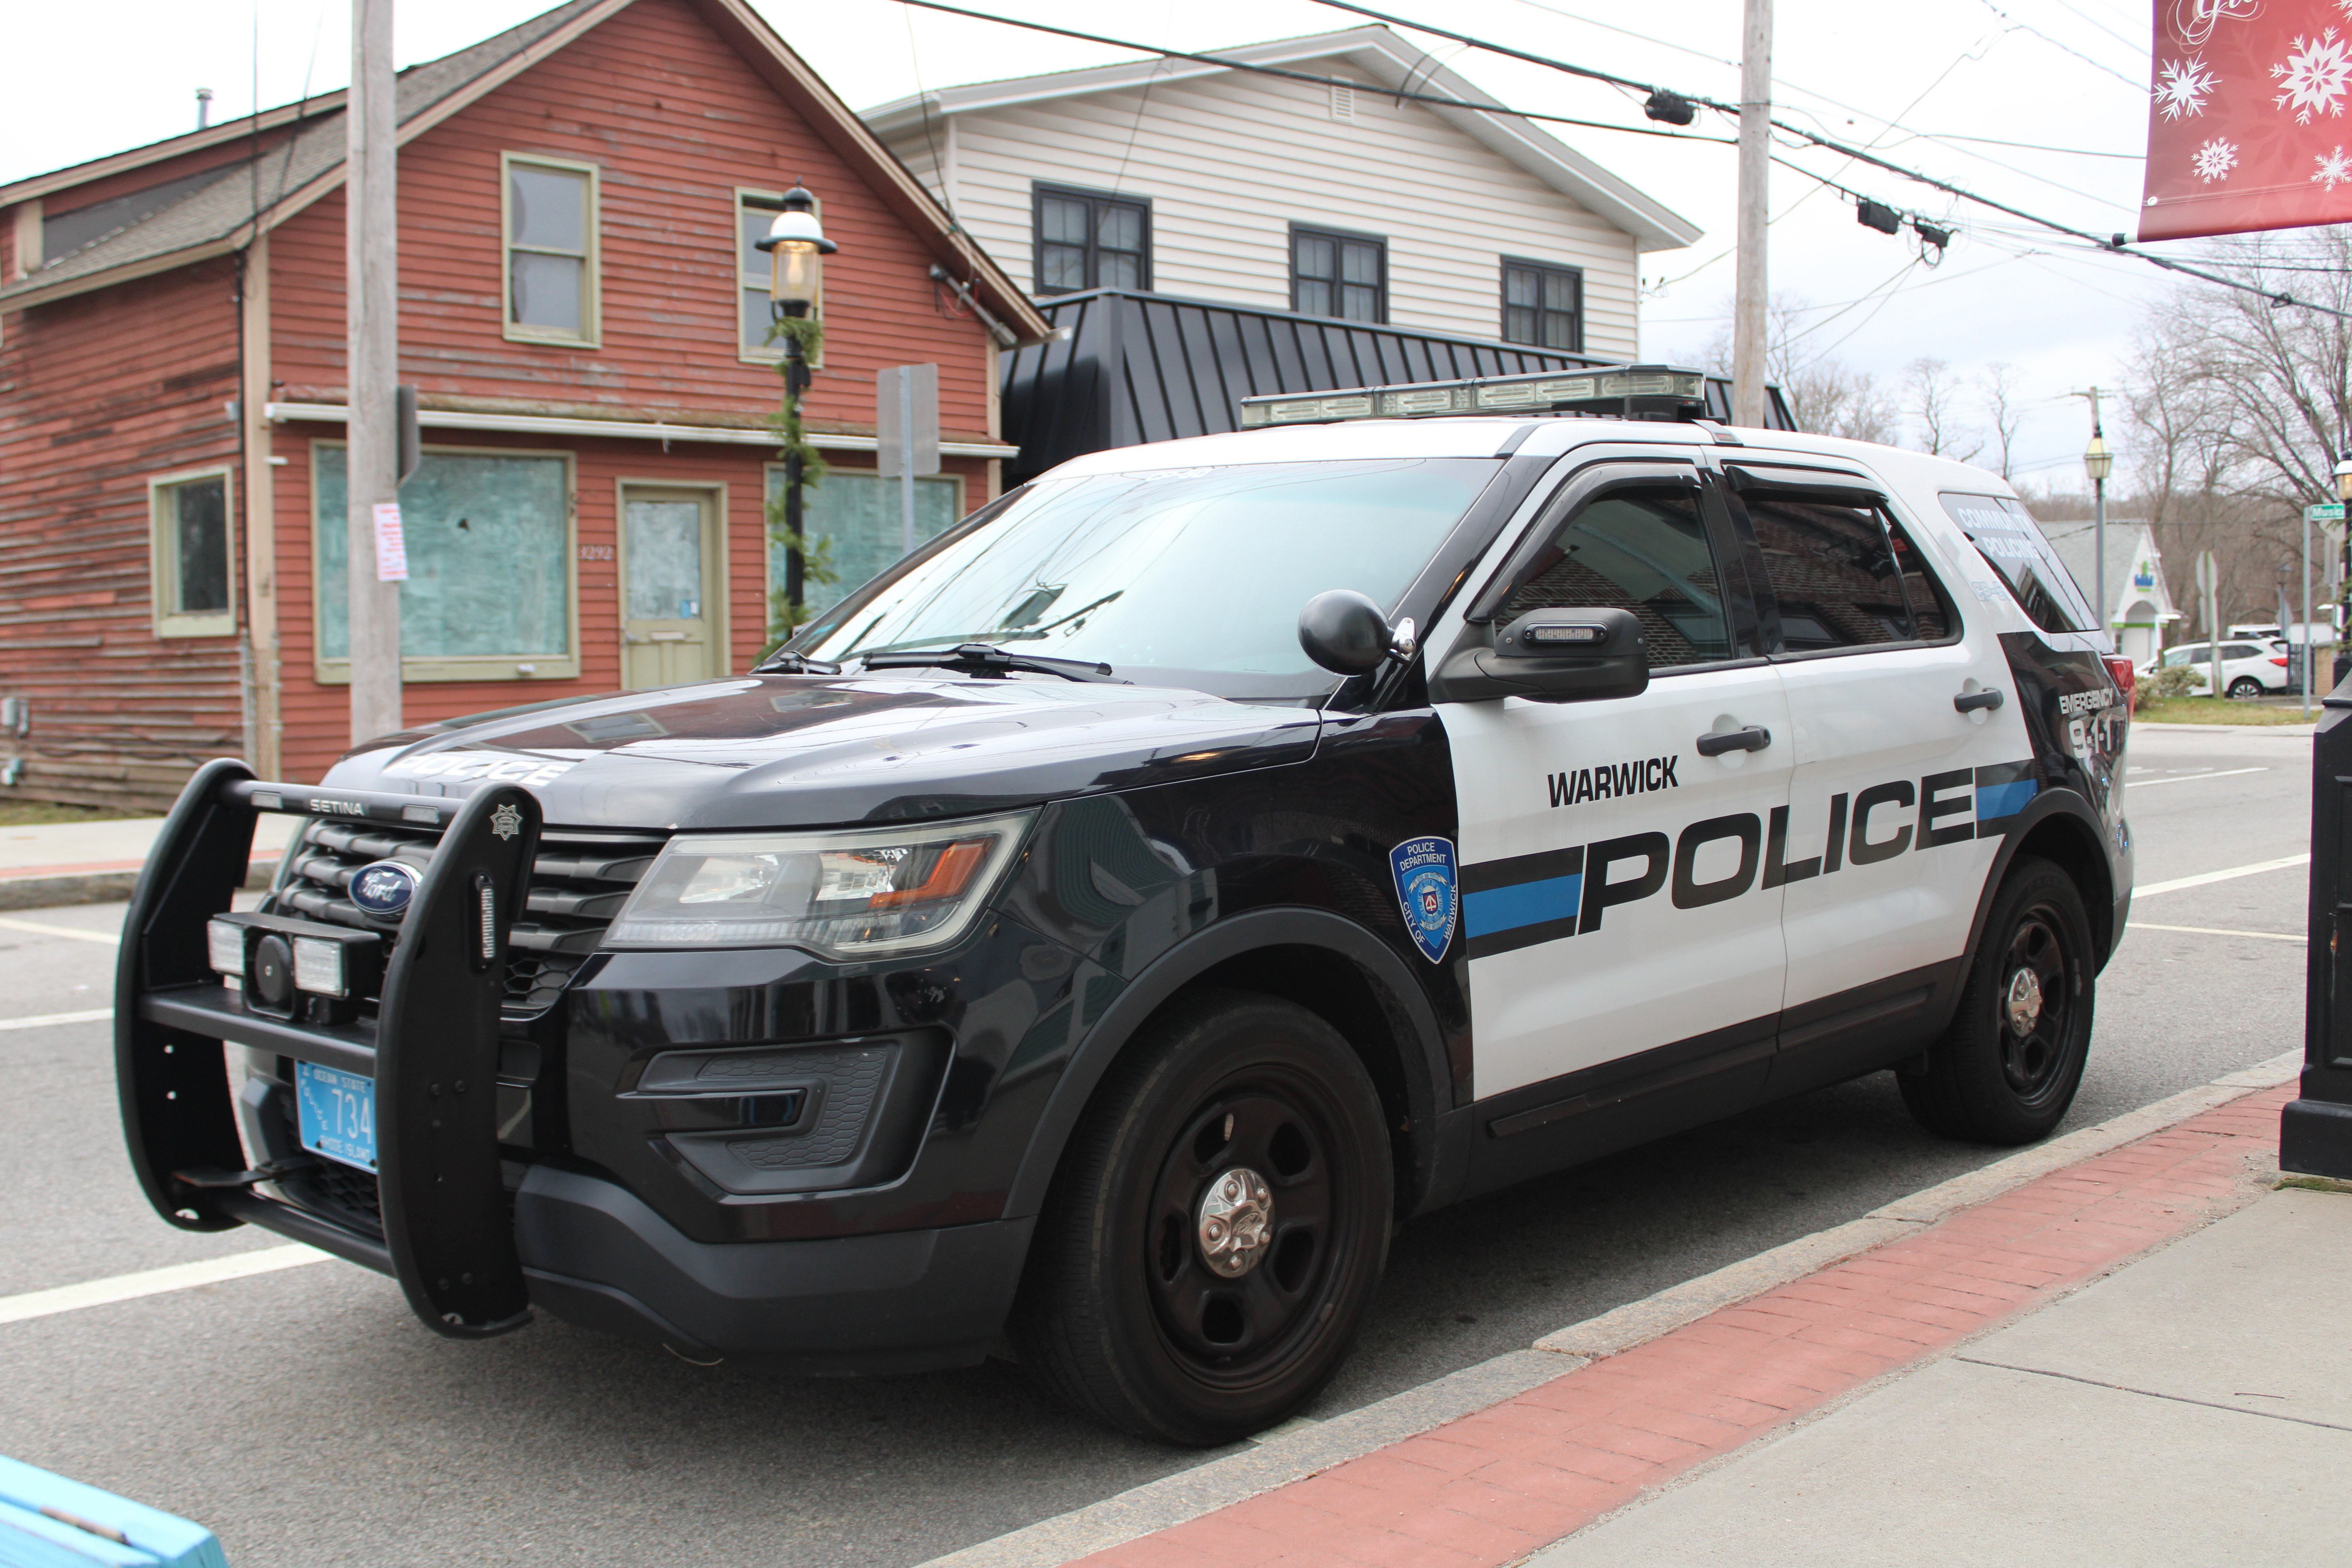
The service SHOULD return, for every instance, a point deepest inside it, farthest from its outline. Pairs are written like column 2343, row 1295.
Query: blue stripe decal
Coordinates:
column 1521, row 904
column 1996, row 801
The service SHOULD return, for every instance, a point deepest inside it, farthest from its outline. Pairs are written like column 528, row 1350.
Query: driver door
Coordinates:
column 1618, row 905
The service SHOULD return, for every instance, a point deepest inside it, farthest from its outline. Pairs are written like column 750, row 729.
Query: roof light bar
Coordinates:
column 1630, row 392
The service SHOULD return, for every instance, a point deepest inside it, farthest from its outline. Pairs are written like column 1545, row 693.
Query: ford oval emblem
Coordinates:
column 385, row 887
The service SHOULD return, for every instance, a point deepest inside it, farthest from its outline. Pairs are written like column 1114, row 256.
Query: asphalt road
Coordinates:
column 307, row 1419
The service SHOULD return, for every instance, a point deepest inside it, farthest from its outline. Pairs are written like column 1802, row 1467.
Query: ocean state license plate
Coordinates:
column 335, row 1111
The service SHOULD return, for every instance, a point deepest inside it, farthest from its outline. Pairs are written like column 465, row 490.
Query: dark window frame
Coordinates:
column 1039, row 190
column 1379, row 244
column 1503, row 301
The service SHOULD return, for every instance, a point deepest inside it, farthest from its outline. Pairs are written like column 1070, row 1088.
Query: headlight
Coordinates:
column 844, row 893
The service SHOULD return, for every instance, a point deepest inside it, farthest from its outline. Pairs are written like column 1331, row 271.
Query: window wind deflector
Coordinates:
column 1825, row 485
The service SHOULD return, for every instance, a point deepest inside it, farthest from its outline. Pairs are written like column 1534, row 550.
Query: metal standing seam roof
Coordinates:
column 247, row 188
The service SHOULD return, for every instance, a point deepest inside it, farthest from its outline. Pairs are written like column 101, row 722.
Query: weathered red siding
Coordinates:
column 99, row 394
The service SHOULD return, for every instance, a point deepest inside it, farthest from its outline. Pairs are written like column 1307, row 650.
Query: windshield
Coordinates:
column 1183, row 576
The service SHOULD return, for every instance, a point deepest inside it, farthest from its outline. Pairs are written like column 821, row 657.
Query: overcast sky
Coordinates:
column 1907, row 80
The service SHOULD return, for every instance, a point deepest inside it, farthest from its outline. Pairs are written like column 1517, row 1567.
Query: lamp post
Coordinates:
column 796, row 248
column 2099, row 462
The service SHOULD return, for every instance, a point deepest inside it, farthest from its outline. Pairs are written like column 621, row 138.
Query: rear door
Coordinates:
column 1615, row 904
column 1898, row 757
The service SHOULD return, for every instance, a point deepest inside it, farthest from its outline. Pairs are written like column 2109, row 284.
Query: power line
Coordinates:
column 2054, row 42
column 2114, row 244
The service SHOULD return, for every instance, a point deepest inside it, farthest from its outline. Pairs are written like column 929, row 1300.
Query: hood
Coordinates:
column 785, row 750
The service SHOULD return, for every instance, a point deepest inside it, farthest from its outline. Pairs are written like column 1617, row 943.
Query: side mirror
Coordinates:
column 1348, row 634
column 1550, row 656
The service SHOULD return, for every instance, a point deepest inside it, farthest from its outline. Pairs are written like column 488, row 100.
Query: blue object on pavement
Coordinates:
column 48, row 1522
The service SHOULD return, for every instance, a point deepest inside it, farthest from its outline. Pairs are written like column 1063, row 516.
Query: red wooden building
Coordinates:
column 585, row 321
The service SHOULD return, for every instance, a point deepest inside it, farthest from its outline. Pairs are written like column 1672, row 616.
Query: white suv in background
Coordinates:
column 2249, row 668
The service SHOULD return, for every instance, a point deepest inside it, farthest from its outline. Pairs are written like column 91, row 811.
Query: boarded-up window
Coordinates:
column 489, row 578
column 189, row 557
column 856, row 528
column 550, row 226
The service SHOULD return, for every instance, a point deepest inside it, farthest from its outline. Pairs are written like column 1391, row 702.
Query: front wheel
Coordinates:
column 2006, row 1066
column 2245, row 688
column 1217, row 1227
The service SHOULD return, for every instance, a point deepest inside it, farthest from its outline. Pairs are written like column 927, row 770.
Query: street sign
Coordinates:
column 2324, row 513
column 906, row 433
column 2206, row 575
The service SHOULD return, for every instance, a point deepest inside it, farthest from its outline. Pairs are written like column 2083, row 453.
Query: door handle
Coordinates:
column 1970, row 702
column 1754, row 738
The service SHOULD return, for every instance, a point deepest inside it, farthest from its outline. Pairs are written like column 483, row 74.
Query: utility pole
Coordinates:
column 372, row 281
column 1748, row 317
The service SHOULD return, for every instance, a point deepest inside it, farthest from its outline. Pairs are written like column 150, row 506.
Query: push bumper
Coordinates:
column 911, row 1300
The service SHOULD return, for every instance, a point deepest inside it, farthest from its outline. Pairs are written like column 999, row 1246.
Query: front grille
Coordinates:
column 578, row 884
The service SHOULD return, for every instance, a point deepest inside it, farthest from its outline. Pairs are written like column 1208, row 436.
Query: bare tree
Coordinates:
column 1933, row 405
column 1999, row 384
column 1824, row 395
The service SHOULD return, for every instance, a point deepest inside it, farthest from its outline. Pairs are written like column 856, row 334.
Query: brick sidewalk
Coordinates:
column 1492, row 1487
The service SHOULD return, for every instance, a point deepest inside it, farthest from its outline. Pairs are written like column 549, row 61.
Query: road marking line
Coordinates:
column 44, row 1020
column 2202, row 877
column 41, row 928
column 2213, row 930
column 155, row 1281
column 2184, row 778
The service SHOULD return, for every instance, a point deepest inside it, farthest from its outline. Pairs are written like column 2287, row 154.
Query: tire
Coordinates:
column 1988, row 1081
column 1121, row 1313
column 2245, row 688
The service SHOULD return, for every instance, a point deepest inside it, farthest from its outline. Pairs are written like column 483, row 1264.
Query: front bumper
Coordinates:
column 908, row 1301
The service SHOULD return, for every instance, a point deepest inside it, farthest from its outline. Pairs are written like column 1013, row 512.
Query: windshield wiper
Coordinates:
column 984, row 658
column 797, row 664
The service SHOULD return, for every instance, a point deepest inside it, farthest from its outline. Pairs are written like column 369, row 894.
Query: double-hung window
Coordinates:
column 1091, row 239
column 189, row 553
column 551, row 250
column 1543, row 305
column 1334, row 273
column 755, row 213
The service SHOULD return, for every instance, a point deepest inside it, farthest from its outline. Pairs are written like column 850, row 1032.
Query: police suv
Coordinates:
column 1091, row 937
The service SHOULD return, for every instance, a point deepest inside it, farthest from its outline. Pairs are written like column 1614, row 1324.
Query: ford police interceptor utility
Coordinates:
column 1089, row 938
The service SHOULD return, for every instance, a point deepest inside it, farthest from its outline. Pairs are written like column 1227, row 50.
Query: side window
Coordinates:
column 2240, row 650
column 1835, row 573
column 2007, row 536
column 1932, row 620
column 1644, row 548
column 551, row 244
column 189, row 550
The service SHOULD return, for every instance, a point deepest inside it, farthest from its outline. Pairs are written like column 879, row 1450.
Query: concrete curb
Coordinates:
column 51, row 890
column 1297, row 1454
column 2296, row 728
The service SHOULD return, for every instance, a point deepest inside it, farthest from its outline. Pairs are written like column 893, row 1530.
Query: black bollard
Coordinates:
column 2315, row 1130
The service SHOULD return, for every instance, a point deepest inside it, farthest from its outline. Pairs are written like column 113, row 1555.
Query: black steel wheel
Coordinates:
column 1217, row 1228
column 2245, row 688
column 2006, row 1066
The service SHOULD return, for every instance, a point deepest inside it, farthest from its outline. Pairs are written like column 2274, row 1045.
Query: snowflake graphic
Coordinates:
column 2316, row 72
column 2335, row 168
column 2183, row 85
column 2215, row 159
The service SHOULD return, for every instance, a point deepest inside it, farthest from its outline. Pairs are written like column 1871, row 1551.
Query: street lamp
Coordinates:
column 2099, row 462
column 796, row 248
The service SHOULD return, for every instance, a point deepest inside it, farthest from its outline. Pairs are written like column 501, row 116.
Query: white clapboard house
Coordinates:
column 1249, row 233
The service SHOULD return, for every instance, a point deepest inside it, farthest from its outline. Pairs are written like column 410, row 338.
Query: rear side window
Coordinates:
column 2007, row 536
column 1642, row 548
column 1842, row 578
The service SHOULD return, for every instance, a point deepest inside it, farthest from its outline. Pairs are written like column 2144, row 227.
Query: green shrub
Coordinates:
column 2173, row 680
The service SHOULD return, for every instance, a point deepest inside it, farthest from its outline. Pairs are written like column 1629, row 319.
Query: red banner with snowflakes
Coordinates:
column 2246, row 122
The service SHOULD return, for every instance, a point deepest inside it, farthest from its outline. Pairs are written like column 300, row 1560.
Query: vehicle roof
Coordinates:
column 1915, row 474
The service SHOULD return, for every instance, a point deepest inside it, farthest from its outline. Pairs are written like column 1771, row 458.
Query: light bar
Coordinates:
column 1635, row 391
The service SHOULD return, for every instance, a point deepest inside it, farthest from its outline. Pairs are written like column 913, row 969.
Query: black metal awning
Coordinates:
column 1150, row 367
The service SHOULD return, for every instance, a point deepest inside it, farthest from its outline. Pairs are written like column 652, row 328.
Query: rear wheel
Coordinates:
column 2009, row 1064
column 2245, row 688
column 1217, row 1228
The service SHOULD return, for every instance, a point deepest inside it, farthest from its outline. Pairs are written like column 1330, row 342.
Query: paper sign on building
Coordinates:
column 391, row 544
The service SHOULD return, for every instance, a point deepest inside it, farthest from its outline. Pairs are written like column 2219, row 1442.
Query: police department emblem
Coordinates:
column 1423, row 869
column 506, row 821
column 385, row 887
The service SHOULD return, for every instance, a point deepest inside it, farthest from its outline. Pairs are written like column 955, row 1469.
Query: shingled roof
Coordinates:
column 252, row 195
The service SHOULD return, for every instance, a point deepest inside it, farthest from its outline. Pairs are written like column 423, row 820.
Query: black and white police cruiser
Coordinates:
column 1091, row 937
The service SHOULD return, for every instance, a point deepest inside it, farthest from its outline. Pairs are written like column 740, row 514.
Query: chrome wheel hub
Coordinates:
column 2024, row 1003
column 1235, row 1222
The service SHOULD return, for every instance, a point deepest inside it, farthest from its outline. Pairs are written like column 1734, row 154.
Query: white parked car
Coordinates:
column 2249, row 668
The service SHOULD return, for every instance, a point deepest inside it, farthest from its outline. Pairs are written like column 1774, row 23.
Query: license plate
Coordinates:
column 335, row 1111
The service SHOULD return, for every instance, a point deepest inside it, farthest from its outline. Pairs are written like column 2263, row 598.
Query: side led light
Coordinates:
column 225, row 943
column 319, row 966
